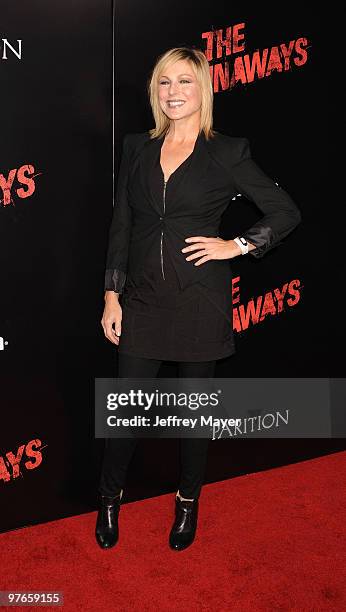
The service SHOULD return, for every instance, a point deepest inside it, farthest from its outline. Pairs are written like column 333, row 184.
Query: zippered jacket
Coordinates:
column 220, row 169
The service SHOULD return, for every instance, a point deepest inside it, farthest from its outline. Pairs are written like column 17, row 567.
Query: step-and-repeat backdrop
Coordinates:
column 56, row 171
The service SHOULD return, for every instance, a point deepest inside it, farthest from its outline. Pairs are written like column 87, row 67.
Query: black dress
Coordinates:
column 162, row 321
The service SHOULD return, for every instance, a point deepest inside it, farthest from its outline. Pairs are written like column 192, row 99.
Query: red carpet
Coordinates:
column 272, row 541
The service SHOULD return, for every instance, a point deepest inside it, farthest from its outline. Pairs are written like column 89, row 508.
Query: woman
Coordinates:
column 170, row 267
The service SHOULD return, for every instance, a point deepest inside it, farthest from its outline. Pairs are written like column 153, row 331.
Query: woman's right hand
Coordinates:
column 112, row 314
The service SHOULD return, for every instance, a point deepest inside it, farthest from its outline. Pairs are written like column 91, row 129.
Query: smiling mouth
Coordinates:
column 175, row 103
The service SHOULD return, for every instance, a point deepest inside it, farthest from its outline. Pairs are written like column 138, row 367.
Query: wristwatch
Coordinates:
column 243, row 243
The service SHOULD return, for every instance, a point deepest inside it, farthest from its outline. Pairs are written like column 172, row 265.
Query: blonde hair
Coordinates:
column 201, row 69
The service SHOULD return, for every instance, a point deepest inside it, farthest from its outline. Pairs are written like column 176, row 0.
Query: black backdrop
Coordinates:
column 57, row 116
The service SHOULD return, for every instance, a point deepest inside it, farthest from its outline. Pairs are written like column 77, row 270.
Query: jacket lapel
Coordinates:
column 193, row 170
column 150, row 155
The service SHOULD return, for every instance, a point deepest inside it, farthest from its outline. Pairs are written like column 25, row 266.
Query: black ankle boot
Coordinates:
column 184, row 527
column 107, row 529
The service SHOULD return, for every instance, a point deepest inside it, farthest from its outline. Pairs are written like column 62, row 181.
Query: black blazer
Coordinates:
column 220, row 168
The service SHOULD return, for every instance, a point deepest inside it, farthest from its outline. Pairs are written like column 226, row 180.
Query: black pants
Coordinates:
column 193, row 451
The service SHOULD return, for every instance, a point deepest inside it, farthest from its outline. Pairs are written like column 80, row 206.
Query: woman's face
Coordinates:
column 179, row 90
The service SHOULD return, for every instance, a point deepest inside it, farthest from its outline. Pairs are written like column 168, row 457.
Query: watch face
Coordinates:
column 243, row 241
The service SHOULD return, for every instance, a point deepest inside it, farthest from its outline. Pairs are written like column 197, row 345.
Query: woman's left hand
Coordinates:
column 210, row 248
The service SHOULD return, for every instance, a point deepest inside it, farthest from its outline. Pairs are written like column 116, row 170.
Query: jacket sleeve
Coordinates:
column 281, row 215
column 120, row 229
